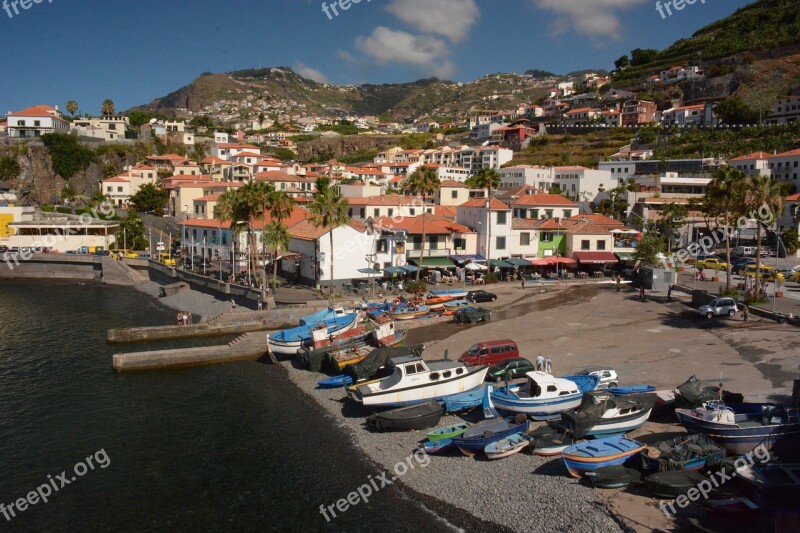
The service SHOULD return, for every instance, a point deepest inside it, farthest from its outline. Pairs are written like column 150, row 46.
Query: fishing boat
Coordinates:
column 740, row 428
column 414, row 380
column 335, row 322
column 436, row 447
column 335, row 382
column 673, row 483
column 448, row 432
column 454, row 294
column 454, row 305
column 384, row 334
column 613, row 477
column 410, row 312
column 476, row 438
column 594, row 454
column 463, row 401
column 554, row 444
column 665, row 403
column 543, row 396
column 601, row 413
column 373, row 333
column 419, row 416
column 507, row 446
column 633, row 389
column 692, row 394
column 687, row 452
column 436, row 303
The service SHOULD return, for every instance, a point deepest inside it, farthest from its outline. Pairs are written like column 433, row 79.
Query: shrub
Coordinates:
column 416, row 287
column 491, row 278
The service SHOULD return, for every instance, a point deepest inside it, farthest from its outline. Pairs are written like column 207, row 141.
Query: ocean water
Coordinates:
column 223, row 448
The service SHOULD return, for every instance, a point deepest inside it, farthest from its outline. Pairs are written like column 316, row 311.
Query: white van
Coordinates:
column 746, row 250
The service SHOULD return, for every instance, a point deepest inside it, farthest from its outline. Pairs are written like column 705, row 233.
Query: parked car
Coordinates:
column 471, row 315
column 796, row 277
column 787, row 272
column 746, row 250
column 510, row 369
column 766, row 272
column 480, row 296
column 719, row 307
column 608, row 377
column 490, row 352
column 712, row 263
column 701, row 257
column 740, row 264
column 3, row 249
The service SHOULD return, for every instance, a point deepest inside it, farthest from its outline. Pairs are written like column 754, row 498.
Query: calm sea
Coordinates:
column 223, row 448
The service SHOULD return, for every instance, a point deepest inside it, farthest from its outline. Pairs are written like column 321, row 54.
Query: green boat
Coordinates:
column 448, row 432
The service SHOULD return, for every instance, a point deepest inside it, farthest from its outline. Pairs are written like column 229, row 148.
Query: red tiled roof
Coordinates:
column 544, row 199
column 388, row 200
column 595, row 257
column 453, row 184
column 496, row 205
column 445, row 211
column 598, row 219
column 116, row 179
column 434, row 225
column 37, row 111
column 209, row 198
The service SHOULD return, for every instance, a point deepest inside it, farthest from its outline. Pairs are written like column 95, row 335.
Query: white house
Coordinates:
column 520, row 175
column 107, row 128
column 581, row 183
column 475, row 215
column 693, row 115
column 785, row 111
column 36, row 121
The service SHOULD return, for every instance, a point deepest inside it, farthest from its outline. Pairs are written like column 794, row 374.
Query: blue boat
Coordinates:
column 452, row 293
column 476, row 438
column 335, row 382
column 463, row 401
column 740, row 428
column 290, row 341
column 633, row 389
column 543, row 396
column 436, row 447
column 594, row 454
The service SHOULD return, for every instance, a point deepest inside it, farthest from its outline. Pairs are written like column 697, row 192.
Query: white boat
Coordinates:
column 551, row 445
column 543, row 396
column 333, row 322
column 508, row 446
column 602, row 413
column 414, row 380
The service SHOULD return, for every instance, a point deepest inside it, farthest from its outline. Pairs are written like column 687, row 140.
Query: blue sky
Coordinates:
column 135, row 50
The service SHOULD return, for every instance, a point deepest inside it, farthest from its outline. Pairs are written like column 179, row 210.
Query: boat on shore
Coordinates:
column 687, row 452
column 454, row 305
column 454, row 294
column 335, row 382
column 632, row 389
column 477, row 437
column 414, row 380
column 543, row 396
column 374, row 333
column 464, row 401
column 554, row 444
column 410, row 417
column 507, row 446
column 448, row 432
column 613, row 477
column 740, row 428
column 602, row 413
column 437, row 303
column 594, row 454
column 410, row 312
column 331, row 323
column 673, row 483
column 436, row 447
column 384, row 334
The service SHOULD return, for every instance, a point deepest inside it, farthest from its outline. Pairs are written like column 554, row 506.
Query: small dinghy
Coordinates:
column 335, row 382
column 673, row 483
column 448, row 432
column 614, row 477
column 476, row 438
column 436, row 447
column 407, row 418
column 554, row 444
column 594, row 454
column 688, row 452
column 508, row 446
column 633, row 389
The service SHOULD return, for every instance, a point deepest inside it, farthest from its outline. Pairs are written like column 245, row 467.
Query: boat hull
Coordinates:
column 335, row 382
column 436, row 447
column 291, row 342
column 617, row 426
column 409, row 418
column 463, row 401
column 448, row 432
column 507, row 399
column 470, row 446
column 591, row 455
column 414, row 394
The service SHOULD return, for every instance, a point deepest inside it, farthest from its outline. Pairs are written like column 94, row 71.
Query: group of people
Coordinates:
column 544, row 364
column 184, row 318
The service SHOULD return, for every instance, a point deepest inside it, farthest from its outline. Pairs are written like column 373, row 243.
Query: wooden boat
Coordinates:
column 594, row 454
column 436, row 303
column 555, row 444
column 463, row 401
column 410, row 313
column 335, row 322
column 633, row 389
column 477, row 437
column 507, row 446
column 407, row 418
column 436, row 447
column 383, row 334
column 740, row 428
column 335, row 382
column 414, row 380
column 543, row 396
column 602, row 413
column 448, row 432
column 454, row 294
column 673, row 483
column 687, row 452
column 374, row 332
column 613, row 477
column 454, row 305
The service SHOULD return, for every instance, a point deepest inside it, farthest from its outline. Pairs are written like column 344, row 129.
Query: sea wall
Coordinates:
column 52, row 267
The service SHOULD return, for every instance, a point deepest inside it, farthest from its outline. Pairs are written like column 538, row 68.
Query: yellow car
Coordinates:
column 712, row 263
column 796, row 277
column 767, row 273
column 166, row 259
column 120, row 253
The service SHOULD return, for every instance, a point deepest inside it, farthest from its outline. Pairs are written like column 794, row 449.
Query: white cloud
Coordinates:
column 450, row 18
column 594, row 18
column 426, row 54
column 310, row 73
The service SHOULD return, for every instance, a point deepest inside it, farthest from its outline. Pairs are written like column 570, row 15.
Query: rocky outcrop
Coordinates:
column 338, row 147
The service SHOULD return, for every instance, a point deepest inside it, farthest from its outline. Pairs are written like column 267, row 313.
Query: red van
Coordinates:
column 490, row 352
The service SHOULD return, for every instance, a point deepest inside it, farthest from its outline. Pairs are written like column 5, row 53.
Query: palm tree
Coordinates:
column 329, row 210
column 422, row 182
column 276, row 236
column 281, row 207
column 724, row 199
column 72, row 107
column 108, row 107
column 230, row 207
column 487, row 178
column 9, row 168
column 762, row 193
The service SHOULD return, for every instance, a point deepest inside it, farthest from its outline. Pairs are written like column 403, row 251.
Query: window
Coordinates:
column 383, row 246
column 412, row 211
column 567, row 213
column 433, row 242
column 534, row 213
column 547, row 237
column 363, row 211
column 119, row 189
column 548, row 213
column 453, row 194
column 37, row 122
column 112, row 126
column 391, row 211
column 501, row 217
column 460, row 244
column 501, row 243
column 416, row 242
column 524, row 239
column 376, row 212
column 585, row 245
column 109, row 189
column 551, row 388
column 601, row 245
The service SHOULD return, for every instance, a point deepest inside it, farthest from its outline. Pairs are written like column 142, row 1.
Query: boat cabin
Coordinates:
column 543, row 385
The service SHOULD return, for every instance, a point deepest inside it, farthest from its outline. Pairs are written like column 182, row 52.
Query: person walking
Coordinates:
column 523, row 281
column 641, row 293
column 548, row 365
column 619, row 282
column 540, row 363
column 669, row 294
column 233, row 303
column 260, row 304
column 745, row 312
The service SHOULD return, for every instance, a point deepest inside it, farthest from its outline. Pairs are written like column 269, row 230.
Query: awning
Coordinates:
column 465, row 258
column 595, row 258
column 542, row 261
column 394, row 270
column 518, row 261
column 410, row 268
column 562, row 260
column 369, row 271
column 474, row 266
column 434, row 262
column 625, row 256
column 499, row 263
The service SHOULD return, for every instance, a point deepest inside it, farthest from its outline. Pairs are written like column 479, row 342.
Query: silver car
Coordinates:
column 719, row 307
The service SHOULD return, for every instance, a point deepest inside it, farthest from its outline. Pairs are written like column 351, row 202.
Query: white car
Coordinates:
column 608, row 377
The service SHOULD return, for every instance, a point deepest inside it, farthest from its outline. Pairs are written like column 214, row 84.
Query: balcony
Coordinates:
column 436, row 252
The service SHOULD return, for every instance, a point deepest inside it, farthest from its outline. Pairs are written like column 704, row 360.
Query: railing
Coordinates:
column 435, row 252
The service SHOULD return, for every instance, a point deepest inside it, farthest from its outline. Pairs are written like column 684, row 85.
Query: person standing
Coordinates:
column 669, row 294
column 260, row 303
column 619, row 282
column 523, row 281
column 641, row 293
column 745, row 312
column 548, row 365
column 540, row 363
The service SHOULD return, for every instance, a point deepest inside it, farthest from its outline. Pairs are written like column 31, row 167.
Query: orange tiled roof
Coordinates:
column 434, row 225
column 496, row 205
column 544, row 199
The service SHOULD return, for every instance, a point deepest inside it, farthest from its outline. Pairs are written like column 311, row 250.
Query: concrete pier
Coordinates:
column 248, row 347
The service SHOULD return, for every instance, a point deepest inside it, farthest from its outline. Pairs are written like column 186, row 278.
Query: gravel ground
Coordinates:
column 521, row 493
column 202, row 306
